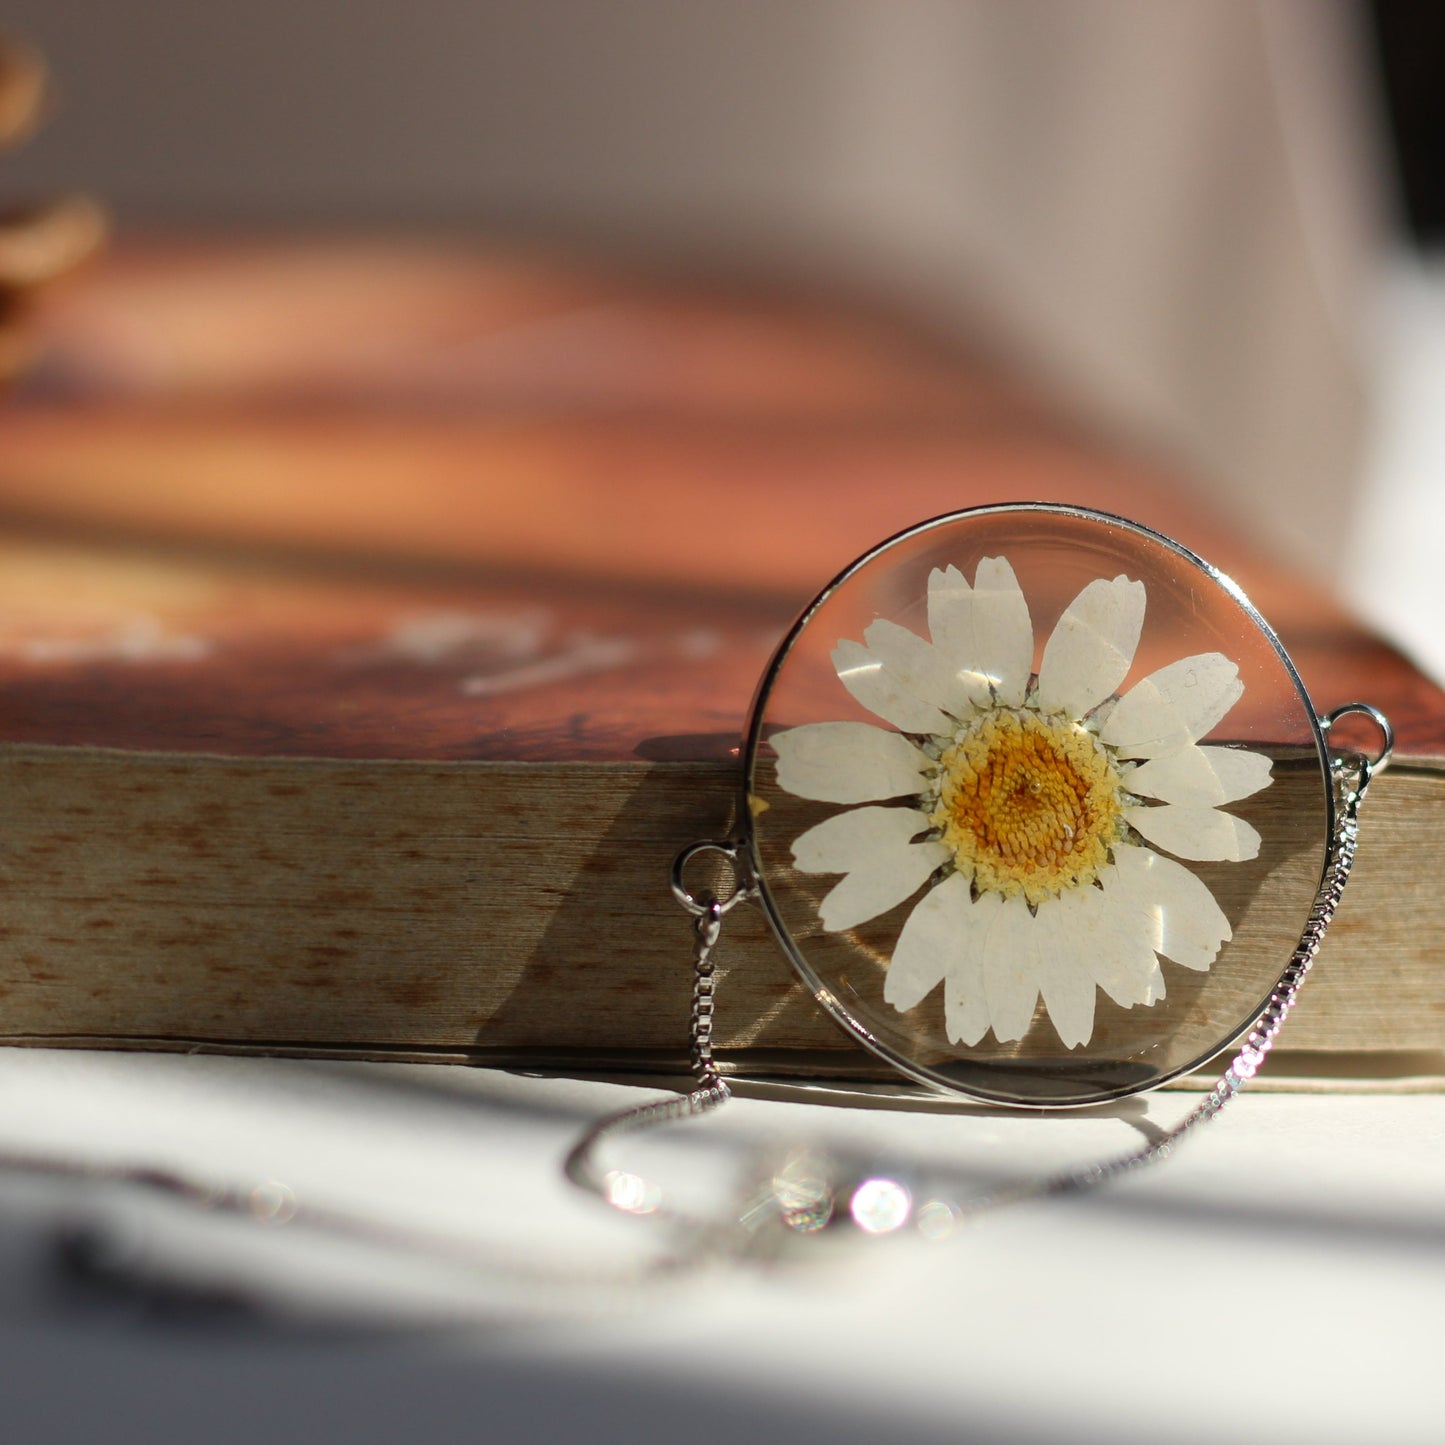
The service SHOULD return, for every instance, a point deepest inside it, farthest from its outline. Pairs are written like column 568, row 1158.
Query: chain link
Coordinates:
column 706, row 926
column 621, row 1188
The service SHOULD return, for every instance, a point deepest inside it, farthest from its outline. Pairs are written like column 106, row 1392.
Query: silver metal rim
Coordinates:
column 824, row 996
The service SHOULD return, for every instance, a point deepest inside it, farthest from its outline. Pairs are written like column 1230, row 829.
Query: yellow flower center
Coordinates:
column 1028, row 804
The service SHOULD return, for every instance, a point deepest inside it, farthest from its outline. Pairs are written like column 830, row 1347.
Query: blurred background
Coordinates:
column 1203, row 226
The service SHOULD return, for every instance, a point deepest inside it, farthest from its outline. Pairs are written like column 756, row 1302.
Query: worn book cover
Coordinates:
column 378, row 619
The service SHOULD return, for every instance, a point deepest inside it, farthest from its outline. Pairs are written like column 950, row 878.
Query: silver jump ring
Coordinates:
column 702, row 903
column 1387, row 735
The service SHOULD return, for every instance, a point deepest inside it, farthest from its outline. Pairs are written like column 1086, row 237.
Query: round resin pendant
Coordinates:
column 1039, row 805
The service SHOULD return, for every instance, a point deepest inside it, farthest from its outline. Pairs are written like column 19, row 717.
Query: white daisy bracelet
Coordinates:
column 1040, row 812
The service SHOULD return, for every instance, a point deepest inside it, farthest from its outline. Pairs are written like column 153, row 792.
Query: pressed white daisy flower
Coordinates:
column 1036, row 811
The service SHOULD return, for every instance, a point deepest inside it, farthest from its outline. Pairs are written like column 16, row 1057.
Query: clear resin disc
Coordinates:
column 1039, row 805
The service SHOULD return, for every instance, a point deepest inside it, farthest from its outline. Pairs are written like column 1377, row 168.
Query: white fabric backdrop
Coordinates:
column 1167, row 207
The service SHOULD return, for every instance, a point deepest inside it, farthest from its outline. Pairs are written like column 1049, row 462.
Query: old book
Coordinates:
column 377, row 621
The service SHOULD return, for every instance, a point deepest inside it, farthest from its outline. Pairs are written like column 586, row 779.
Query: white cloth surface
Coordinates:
column 1285, row 1270
column 1393, row 576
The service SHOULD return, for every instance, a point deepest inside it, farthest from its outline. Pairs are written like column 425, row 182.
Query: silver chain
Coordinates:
column 1350, row 777
column 618, row 1187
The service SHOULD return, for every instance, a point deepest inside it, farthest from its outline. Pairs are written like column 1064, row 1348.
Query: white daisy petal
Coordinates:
column 940, row 939
column 943, row 939
column 1175, row 706
column 894, row 695
column 984, row 630
column 847, row 762
column 1186, row 924
column 870, row 892
column 1146, row 986
column 1205, row 835
column 1202, row 776
column 950, row 625
column 1065, row 977
column 965, row 1008
column 1011, row 970
column 920, row 666
column 917, row 965
column 1091, row 649
column 853, row 839
column 950, row 610
column 1112, row 939
column 871, row 846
